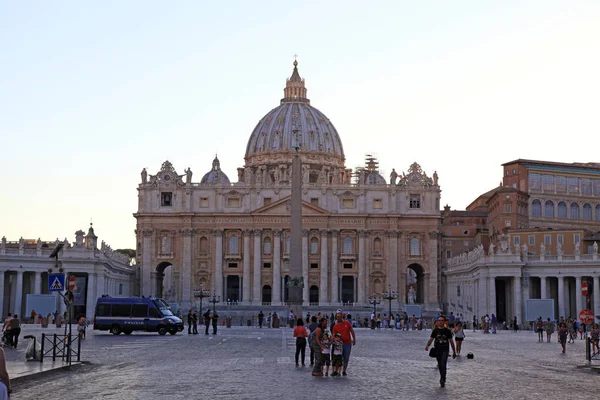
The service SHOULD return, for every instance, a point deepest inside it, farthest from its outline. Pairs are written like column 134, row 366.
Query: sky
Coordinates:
column 91, row 93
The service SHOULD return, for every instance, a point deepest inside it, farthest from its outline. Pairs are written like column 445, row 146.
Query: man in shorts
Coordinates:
column 348, row 337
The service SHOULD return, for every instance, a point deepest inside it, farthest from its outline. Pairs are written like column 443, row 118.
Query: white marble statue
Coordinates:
column 412, row 295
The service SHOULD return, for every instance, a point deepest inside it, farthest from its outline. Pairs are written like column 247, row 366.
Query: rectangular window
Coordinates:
column 548, row 182
column 377, row 204
column 573, row 185
column 531, row 240
column 103, row 310
column 448, row 254
column 347, row 203
column 561, row 183
column 586, row 186
column 535, row 181
column 516, row 240
column 348, row 266
column 233, row 202
column 507, row 222
column 596, row 186
column 547, row 240
column 266, row 265
column 559, row 239
column 576, row 238
column 204, row 202
column 415, row 201
column 166, row 199
column 232, row 265
column 121, row 310
column 314, row 201
column 314, row 247
column 314, row 265
column 266, row 201
column 139, row 310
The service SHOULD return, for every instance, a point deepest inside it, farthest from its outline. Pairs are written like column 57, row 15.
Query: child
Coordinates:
column 595, row 336
column 326, row 352
column 336, row 358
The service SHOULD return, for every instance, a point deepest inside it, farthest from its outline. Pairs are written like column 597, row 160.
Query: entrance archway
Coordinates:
column 415, row 284
column 347, row 289
column 266, row 294
column 313, row 294
column 165, row 288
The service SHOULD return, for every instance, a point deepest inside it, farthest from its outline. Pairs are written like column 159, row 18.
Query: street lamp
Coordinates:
column 390, row 295
column 200, row 294
column 215, row 300
column 375, row 300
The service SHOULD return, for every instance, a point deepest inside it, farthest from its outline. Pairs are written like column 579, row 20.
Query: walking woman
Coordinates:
column 459, row 336
column 549, row 330
column 563, row 332
column 300, row 334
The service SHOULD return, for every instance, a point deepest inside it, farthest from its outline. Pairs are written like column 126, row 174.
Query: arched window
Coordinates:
column 597, row 212
column 536, row 208
column 415, row 248
column 267, row 246
column 266, row 294
column 347, row 249
column 562, row 210
column 313, row 294
column 203, row 245
column 549, row 209
column 233, row 244
column 166, row 245
column 314, row 246
column 587, row 212
column 377, row 246
column 574, row 211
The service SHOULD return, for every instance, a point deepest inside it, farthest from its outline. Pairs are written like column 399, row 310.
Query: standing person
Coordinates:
column 515, row 324
column 487, row 323
column 315, row 339
column 549, row 330
column 595, row 337
column 326, row 351
column 348, row 338
column 373, row 320
column 563, row 332
column 4, row 378
column 6, row 330
column 81, row 326
column 189, row 319
column 33, row 316
column 261, row 318
column 300, row 334
column 15, row 330
column 195, row 323
column 539, row 327
column 215, row 321
column 474, row 323
column 494, row 321
column 336, row 357
column 459, row 336
column 442, row 337
column 311, row 328
column 206, row 320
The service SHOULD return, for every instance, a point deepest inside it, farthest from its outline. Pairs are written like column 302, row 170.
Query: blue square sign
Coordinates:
column 56, row 282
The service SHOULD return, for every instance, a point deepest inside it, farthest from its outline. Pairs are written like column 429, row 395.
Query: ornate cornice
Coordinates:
column 217, row 233
column 305, row 232
column 277, row 232
column 147, row 232
column 257, row 232
column 187, row 231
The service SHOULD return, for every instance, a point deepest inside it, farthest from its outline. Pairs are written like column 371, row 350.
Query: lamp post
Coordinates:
column 200, row 294
column 390, row 295
column 215, row 300
column 374, row 300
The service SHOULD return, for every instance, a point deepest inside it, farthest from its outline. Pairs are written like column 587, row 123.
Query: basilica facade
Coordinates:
column 362, row 234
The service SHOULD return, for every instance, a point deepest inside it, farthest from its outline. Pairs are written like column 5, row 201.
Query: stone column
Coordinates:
column 146, row 279
column 596, row 296
column 246, row 268
column 543, row 290
column 218, row 276
column 19, row 294
column 323, row 295
column 91, row 297
column 256, row 285
column 2, row 293
column 362, row 266
column 561, row 296
column 37, row 283
column 335, row 298
column 578, row 296
column 305, row 297
column 432, row 297
column 517, row 296
column 492, row 309
column 276, row 292
column 481, row 299
column 393, row 259
column 402, row 268
column 186, row 273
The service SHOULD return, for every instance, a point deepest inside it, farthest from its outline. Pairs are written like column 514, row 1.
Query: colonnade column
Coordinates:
column 578, row 296
column 246, row 268
column 218, row 276
column 305, row 297
column 561, row 296
column 256, row 285
column 335, row 298
column 323, row 295
column 362, row 266
column 276, row 292
column 37, row 283
column 186, row 278
column 596, row 296
column 483, row 294
column 90, row 302
column 146, row 278
column 492, row 292
column 19, row 294
column 393, row 257
column 543, row 290
column 517, row 295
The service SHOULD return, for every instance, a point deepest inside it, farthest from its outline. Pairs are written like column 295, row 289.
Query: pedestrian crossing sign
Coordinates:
column 56, row 282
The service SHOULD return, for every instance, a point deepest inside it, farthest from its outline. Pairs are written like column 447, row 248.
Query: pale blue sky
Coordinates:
column 91, row 94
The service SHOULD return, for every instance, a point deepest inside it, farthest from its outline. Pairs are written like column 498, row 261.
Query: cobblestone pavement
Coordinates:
column 252, row 363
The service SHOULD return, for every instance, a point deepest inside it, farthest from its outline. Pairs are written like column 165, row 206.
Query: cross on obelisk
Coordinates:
column 296, row 282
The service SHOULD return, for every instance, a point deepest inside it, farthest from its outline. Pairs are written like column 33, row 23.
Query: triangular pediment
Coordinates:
column 283, row 207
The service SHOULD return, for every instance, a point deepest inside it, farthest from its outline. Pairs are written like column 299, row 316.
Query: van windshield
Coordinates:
column 166, row 312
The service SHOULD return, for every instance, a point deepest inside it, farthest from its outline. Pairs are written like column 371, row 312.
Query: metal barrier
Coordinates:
column 589, row 355
column 65, row 347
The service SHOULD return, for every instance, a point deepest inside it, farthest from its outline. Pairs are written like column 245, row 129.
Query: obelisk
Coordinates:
column 296, row 282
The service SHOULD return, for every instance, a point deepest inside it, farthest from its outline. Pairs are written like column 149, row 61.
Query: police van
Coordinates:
column 128, row 314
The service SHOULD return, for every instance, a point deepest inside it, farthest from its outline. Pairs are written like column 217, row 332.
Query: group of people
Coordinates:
column 567, row 332
column 11, row 331
column 328, row 347
column 209, row 317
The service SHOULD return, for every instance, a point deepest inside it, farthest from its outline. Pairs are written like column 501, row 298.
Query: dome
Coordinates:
column 374, row 178
column 294, row 122
column 215, row 175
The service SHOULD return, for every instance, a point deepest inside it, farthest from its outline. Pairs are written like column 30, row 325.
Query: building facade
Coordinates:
column 361, row 234
column 25, row 265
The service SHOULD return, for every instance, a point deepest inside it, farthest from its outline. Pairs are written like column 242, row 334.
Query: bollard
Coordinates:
column 43, row 341
column 588, row 349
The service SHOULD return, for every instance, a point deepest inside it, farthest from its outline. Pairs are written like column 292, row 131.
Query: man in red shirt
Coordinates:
column 344, row 327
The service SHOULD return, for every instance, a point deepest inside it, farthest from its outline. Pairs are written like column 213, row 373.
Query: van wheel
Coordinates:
column 115, row 330
column 162, row 331
column 127, row 332
column 173, row 331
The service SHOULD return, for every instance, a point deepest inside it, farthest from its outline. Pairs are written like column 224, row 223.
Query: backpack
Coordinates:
column 312, row 337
